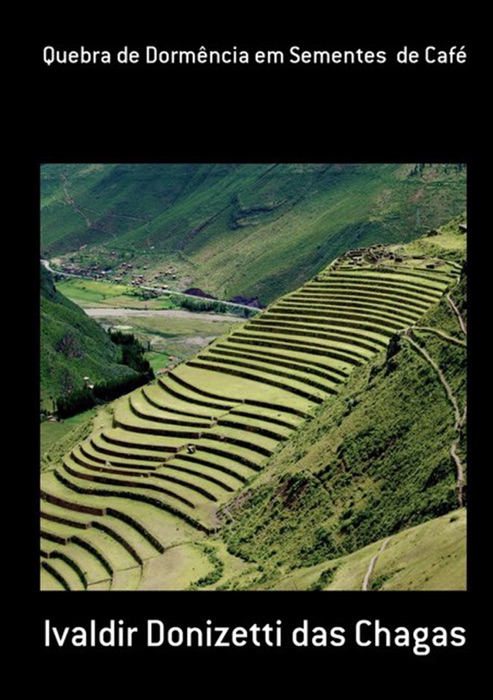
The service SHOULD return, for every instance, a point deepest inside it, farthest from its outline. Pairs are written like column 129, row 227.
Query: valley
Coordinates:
column 318, row 443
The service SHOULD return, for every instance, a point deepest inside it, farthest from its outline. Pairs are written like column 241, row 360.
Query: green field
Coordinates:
column 179, row 337
column 93, row 293
column 158, row 360
column 87, row 292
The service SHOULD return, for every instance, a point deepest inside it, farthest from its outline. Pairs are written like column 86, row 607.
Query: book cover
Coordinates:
column 344, row 102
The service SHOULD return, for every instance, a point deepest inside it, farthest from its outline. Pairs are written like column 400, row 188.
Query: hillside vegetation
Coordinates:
column 427, row 557
column 333, row 419
column 376, row 459
column 72, row 346
column 249, row 230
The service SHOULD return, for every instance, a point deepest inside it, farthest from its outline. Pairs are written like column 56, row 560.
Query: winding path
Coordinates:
column 460, row 473
column 441, row 376
column 459, row 420
column 440, row 334
column 70, row 201
column 371, row 566
column 457, row 313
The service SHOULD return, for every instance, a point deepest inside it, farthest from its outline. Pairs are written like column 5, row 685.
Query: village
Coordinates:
column 141, row 276
column 112, row 270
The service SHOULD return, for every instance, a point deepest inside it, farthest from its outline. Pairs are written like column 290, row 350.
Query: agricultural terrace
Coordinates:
column 182, row 446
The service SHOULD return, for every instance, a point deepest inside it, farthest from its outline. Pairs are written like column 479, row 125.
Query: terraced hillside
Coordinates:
column 179, row 449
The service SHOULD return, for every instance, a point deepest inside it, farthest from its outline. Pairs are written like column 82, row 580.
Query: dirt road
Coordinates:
column 371, row 566
column 103, row 312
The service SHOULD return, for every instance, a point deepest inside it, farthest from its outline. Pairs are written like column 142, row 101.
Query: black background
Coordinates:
column 389, row 113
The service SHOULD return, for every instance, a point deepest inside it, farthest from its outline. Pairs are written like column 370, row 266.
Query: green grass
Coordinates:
column 113, row 550
column 166, row 527
column 156, row 396
column 52, row 432
column 134, row 424
column 174, row 500
column 449, row 241
column 431, row 556
column 236, row 389
column 57, row 439
column 177, row 569
column 157, row 360
column 428, row 557
column 87, row 292
column 49, row 582
column 66, row 573
column 93, row 570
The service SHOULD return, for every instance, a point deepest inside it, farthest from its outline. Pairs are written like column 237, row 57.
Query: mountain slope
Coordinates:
column 426, row 557
column 325, row 423
column 72, row 346
column 377, row 458
column 239, row 229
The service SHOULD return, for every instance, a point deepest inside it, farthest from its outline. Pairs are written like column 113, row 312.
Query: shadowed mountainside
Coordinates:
column 249, row 230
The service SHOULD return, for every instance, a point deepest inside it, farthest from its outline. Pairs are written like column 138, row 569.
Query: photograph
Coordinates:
column 253, row 376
